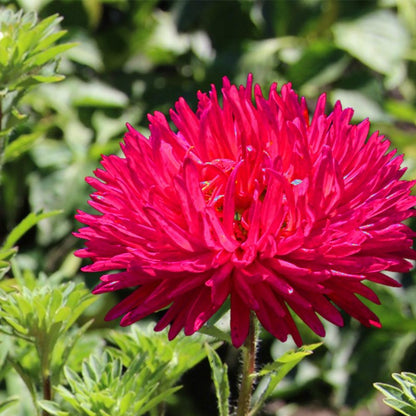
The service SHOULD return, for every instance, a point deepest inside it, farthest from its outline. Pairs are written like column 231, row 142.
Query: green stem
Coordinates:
column 248, row 369
column 2, row 140
column 47, row 390
column 45, row 364
column 1, row 115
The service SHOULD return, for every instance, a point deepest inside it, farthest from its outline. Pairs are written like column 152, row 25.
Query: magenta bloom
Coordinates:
column 253, row 201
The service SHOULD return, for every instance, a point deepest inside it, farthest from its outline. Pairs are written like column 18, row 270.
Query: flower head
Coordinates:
column 251, row 200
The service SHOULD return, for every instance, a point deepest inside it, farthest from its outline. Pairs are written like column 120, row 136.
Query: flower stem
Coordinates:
column 47, row 391
column 248, row 369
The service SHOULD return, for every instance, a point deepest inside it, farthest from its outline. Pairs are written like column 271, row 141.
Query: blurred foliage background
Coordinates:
column 135, row 57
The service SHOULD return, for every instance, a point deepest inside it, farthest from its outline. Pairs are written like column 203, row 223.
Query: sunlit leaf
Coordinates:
column 402, row 398
column 378, row 39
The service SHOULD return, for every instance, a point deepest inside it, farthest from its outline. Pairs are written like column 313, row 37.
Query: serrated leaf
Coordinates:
column 219, row 372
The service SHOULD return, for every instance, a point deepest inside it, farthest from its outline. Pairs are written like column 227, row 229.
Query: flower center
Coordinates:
column 216, row 176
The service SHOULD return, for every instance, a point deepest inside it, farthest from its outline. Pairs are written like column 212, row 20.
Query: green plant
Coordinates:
column 402, row 398
column 105, row 387
column 136, row 374
column 28, row 57
column 39, row 317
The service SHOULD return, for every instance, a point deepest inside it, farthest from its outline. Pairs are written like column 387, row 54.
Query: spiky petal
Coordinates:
column 250, row 200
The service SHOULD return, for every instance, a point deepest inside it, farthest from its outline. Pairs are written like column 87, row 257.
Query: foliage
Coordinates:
column 38, row 319
column 219, row 372
column 9, row 250
column 28, row 52
column 403, row 398
column 135, row 374
column 28, row 57
column 269, row 377
column 177, row 356
column 106, row 388
column 135, row 57
column 273, row 373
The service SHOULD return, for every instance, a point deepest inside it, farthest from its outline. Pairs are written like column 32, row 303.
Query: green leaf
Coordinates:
column 73, row 378
column 4, row 264
column 276, row 371
column 17, row 147
column 43, row 57
column 388, row 390
column 402, row 110
column 287, row 361
column 48, row 78
column 408, row 387
column 411, row 377
column 25, row 225
column 8, row 403
column 377, row 39
column 97, row 94
column 401, row 407
column 219, row 371
column 51, row 407
column 216, row 333
column 7, row 254
column 15, row 325
column 402, row 398
column 364, row 106
column 152, row 403
column 86, row 53
column 49, row 40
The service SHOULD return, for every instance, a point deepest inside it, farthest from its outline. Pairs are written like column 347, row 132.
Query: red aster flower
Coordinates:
column 250, row 200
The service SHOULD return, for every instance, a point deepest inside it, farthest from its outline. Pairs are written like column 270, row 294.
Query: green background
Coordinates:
column 135, row 57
